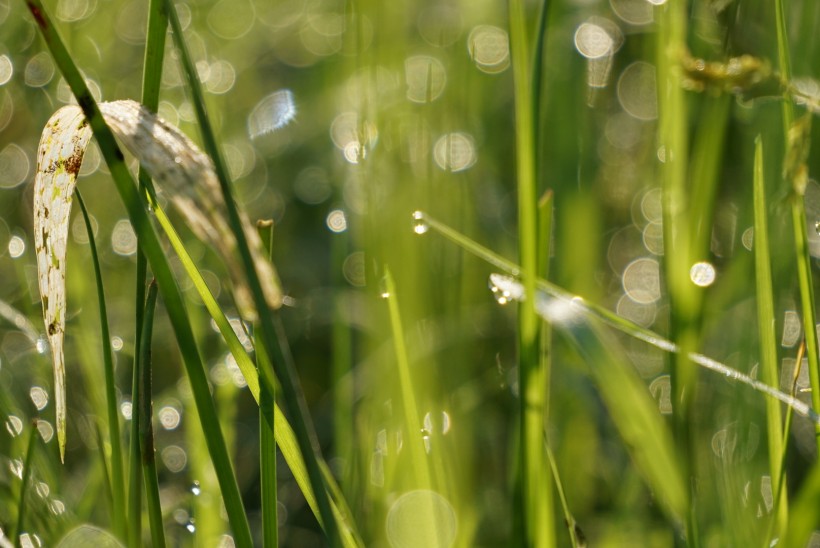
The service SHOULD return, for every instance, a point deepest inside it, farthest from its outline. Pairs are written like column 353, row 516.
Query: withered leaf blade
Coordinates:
column 179, row 169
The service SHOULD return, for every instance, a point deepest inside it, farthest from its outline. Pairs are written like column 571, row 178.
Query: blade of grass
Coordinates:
column 766, row 331
column 424, row 222
column 117, row 473
column 143, row 408
column 572, row 527
column 24, row 485
column 799, row 224
column 151, row 80
column 536, row 508
column 285, row 436
column 291, row 392
column 267, row 434
column 173, row 299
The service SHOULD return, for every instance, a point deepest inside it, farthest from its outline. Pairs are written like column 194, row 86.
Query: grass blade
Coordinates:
column 146, row 430
column 24, row 485
column 117, row 473
column 766, row 330
column 267, row 434
column 534, row 481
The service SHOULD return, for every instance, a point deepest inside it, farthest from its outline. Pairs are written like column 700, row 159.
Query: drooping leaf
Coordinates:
column 178, row 168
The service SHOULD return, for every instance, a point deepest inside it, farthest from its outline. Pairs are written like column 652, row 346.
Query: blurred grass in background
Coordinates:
column 407, row 362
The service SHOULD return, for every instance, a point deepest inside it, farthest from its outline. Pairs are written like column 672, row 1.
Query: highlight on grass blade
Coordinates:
column 178, row 168
column 564, row 310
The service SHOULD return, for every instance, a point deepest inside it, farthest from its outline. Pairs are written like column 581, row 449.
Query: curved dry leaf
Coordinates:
column 178, row 168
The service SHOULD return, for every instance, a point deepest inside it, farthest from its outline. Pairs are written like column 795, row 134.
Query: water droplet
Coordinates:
column 46, row 430
column 39, row 397
column 16, row 468
column 336, row 221
column 272, row 113
column 191, row 526
column 17, row 246
column 14, row 425
column 817, row 227
column 116, row 343
column 702, row 274
column 420, row 225
column 125, row 409
column 196, row 490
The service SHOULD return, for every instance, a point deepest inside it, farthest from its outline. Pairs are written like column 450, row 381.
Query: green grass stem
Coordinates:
column 137, row 212
column 534, row 483
column 143, row 407
column 766, row 332
column 111, row 405
column 267, row 434
column 24, row 485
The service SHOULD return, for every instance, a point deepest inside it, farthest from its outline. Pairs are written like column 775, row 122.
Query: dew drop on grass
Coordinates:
column 420, row 225
column 272, row 113
column 46, row 430
column 792, row 329
column 14, row 425
column 39, row 397
column 702, row 274
column 191, row 526
column 489, row 48
column 336, row 221
column 196, row 490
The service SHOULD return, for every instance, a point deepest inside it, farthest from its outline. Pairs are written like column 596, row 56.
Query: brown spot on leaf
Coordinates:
column 52, row 329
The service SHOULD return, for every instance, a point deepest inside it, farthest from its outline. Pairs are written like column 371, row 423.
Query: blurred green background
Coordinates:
column 401, row 106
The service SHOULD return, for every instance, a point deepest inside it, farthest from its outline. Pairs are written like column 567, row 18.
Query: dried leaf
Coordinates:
column 179, row 169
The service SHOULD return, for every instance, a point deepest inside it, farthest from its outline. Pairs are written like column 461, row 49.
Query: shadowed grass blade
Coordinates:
column 146, row 429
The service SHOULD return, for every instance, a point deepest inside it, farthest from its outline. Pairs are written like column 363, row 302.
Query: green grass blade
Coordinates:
column 267, row 434
column 634, row 413
column 173, row 299
column 766, row 331
column 24, row 485
column 424, row 222
column 143, row 408
column 534, row 478
column 412, row 419
column 284, row 433
column 117, row 473
column 291, row 393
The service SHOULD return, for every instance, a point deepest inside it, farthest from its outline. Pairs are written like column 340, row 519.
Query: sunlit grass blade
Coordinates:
column 412, row 419
column 291, row 392
column 173, row 299
column 766, row 331
column 143, row 408
column 112, row 408
column 516, row 290
column 534, row 478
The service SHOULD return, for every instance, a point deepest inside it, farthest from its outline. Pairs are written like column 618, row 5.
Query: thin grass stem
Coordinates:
column 766, row 331
column 112, row 408
column 24, row 484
